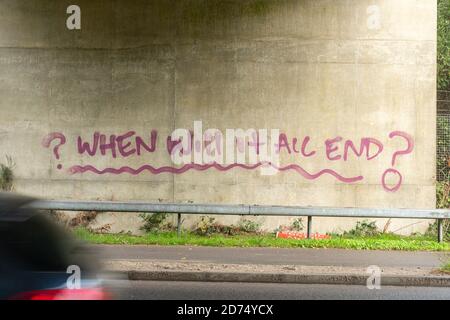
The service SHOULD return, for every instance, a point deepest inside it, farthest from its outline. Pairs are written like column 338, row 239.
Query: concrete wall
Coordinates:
column 318, row 68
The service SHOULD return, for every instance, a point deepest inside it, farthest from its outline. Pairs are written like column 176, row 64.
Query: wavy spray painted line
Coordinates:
column 167, row 169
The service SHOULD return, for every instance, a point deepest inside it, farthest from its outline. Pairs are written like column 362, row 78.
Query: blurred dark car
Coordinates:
column 39, row 260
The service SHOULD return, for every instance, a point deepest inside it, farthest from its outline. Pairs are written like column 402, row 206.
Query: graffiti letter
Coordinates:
column 272, row 161
column 283, row 142
column 122, row 148
column 140, row 143
column 85, row 146
column 365, row 145
column 105, row 146
column 330, row 148
column 255, row 143
column 304, row 145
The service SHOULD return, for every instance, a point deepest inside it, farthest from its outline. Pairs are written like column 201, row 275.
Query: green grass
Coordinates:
column 446, row 268
column 381, row 242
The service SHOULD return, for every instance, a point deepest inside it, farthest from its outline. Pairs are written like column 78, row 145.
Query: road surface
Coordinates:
column 156, row 290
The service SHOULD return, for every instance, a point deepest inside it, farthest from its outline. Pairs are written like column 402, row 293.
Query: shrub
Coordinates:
column 446, row 268
column 297, row 225
column 249, row 226
column 442, row 194
column 6, row 175
column 82, row 219
column 207, row 226
column 154, row 222
column 433, row 230
column 442, row 202
column 363, row 229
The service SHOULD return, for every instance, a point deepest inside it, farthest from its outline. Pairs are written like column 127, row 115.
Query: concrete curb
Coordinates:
column 342, row 279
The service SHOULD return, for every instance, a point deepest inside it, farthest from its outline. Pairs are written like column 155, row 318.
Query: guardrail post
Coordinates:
column 179, row 224
column 440, row 231
column 309, row 227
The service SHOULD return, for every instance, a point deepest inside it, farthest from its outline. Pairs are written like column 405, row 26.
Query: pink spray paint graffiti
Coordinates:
column 131, row 144
column 117, row 144
column 197, row 167
column 46, row 142
column 394, row 172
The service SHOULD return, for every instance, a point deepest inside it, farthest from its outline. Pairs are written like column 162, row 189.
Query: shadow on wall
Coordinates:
column 124, row 23
column 41, row 22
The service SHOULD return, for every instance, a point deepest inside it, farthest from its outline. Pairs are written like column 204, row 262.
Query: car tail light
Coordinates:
column 64, row 294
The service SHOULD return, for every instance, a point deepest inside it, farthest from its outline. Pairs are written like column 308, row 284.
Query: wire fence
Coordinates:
column 443, row 136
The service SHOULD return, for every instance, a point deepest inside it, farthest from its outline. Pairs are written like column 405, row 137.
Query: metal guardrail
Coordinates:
column 254, row 210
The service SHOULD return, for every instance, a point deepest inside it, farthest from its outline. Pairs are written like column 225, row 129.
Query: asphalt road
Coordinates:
column 163, row 290
column 276, row 256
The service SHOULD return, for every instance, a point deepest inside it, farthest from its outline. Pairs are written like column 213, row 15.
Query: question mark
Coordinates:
column 46, row 142
column 408, row 150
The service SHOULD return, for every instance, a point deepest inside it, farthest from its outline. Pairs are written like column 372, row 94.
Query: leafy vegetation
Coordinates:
column 155, row 222
column 6, row 175
column 442, row 202
column 433, row 230
column 380, row 242
column 443, row 45
column 443, row 148
column 208, row 226
column 363, row 229
column 296, row 225
column 249, row 226
column 446, row 268
column 82, row 219
column 442, row 194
